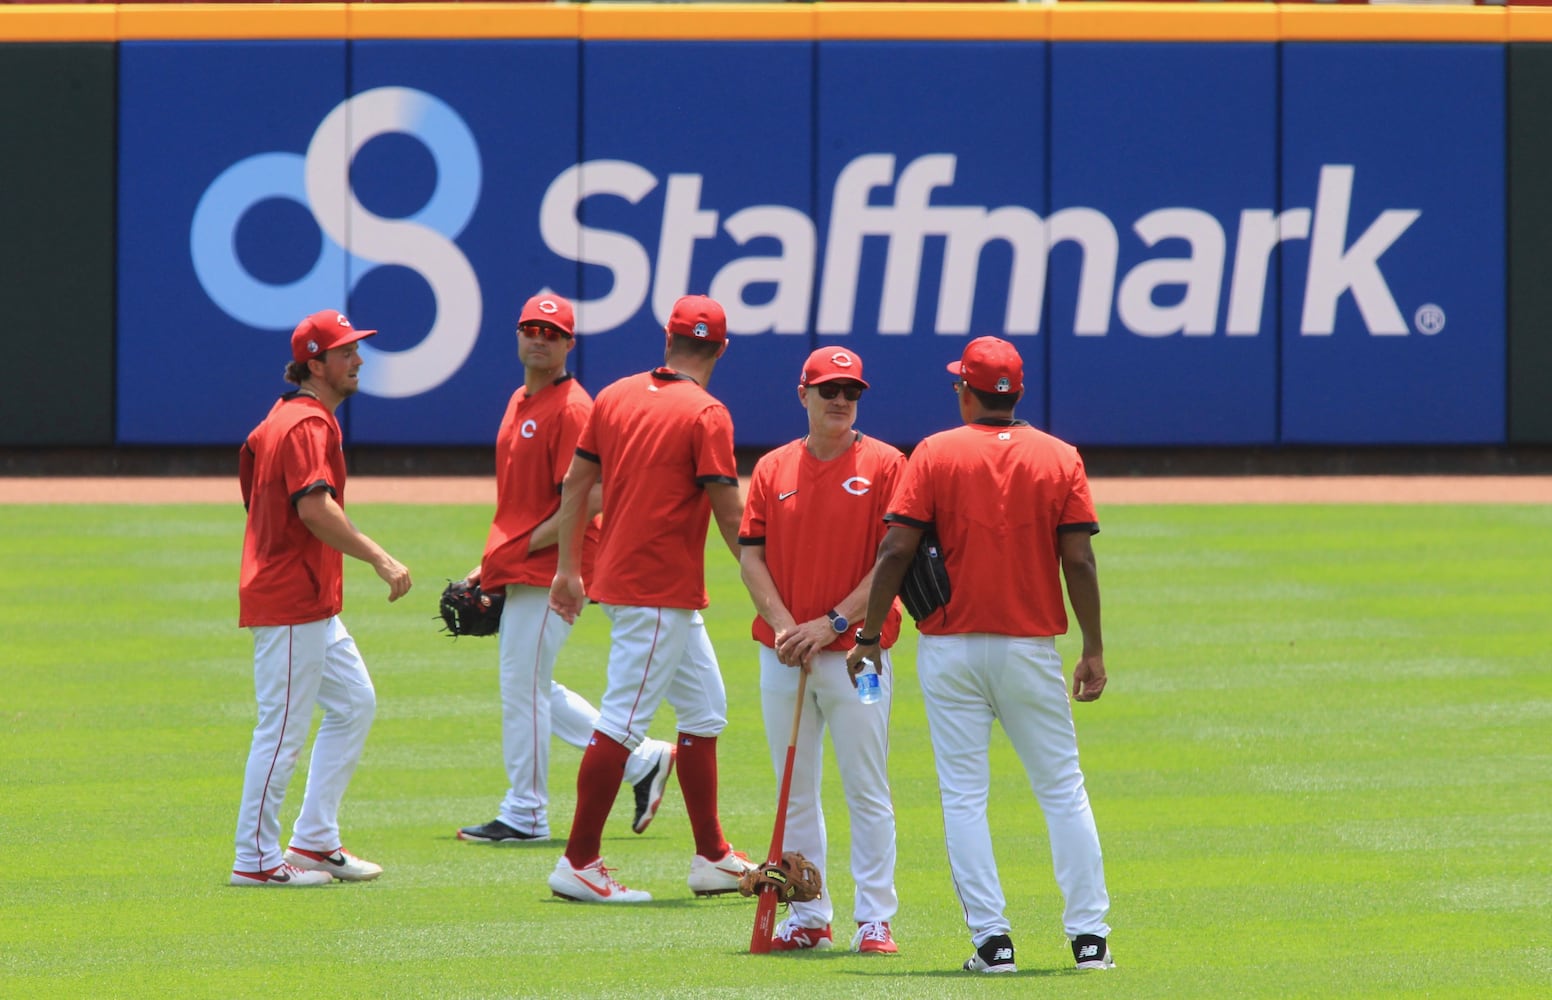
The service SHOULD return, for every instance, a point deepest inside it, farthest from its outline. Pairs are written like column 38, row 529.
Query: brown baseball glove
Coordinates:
column 794, row 879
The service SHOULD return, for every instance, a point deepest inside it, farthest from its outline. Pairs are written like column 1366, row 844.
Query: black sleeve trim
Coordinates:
column 751, row 540
column 1092, row 527
column 589, row 456
column 321, row 484
column 722, row 480
column 907, row 522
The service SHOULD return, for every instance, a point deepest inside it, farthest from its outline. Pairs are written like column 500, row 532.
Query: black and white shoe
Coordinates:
column 495, row 832
column 1091, row 951
column 996, row 955
column 649, row 790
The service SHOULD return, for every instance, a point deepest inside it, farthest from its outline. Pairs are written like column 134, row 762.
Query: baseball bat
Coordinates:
column 765, row 909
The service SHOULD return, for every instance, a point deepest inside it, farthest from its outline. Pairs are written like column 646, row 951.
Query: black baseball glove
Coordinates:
column 468, row 610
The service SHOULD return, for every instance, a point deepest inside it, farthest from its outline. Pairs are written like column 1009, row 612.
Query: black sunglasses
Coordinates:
column 830, row 391
column 543, row 330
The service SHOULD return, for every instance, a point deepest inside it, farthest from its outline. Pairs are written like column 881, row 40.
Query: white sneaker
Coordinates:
column 649, row 790
column 713, row 878
column 281, row 877
column 591, row 884
column 341, row 864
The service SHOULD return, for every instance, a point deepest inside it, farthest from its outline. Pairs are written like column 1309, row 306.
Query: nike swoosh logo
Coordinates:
column 735, row 872
column 783, row 496
column 338, row 859
column 605, row 892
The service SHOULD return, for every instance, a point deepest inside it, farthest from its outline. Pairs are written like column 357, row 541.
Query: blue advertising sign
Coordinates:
column 1393, row 216
column 453, row 146
column 1162, row 287
column 1175, row 267
column 695, row 179
column 931, row 175
column 219, row 256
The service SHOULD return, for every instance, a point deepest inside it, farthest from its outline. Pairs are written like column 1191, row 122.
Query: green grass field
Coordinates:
column 1322, row 768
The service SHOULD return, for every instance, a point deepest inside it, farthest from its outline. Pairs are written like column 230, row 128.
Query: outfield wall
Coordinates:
column 1221, row 225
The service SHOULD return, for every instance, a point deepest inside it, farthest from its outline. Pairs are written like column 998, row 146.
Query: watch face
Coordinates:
column 839, row 623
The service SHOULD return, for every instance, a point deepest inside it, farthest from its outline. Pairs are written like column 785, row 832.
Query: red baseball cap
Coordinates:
column 551, row 310
column 699, row 317
column 323, row 331
column 833, row 364
column 990, row 364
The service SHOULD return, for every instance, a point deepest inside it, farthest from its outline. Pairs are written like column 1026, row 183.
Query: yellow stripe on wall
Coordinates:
column 1078, row 21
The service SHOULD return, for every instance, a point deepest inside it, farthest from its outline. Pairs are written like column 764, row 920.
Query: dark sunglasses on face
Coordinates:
column 830, row 391
column 540, row 330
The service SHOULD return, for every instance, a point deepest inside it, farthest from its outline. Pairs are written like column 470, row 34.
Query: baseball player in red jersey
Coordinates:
column 292, row 471
column 1013, row 515
column 533, row 448
column 812, row 523
column 663, row 447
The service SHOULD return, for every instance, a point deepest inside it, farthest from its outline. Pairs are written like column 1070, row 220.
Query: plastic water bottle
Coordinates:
column 868, row 691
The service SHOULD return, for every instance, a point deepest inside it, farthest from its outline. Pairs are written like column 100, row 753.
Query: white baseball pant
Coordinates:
column 967, row 681
column 534, row 706
column 860, row 734
column 658, row 653
column 294, row 668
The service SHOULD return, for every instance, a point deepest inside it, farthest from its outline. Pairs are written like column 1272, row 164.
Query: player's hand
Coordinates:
column 854, row 658
column 472, row 578
column 567, row 596
column 1088, row 677
column 797, row 646
column 395, row 575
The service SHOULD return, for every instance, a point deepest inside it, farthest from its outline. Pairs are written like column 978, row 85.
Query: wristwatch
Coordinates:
column 837, row 621
column 868, row 640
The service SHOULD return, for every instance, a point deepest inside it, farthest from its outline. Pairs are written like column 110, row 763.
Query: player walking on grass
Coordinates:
column 292, row 471
column 533, row 448
column 663, row 447
column 1013, row 515
column 812, row 523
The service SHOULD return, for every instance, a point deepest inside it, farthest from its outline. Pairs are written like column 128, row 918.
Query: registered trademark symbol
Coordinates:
column 1429, row 319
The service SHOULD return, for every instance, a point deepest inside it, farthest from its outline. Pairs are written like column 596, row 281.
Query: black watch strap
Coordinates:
column 868, row 640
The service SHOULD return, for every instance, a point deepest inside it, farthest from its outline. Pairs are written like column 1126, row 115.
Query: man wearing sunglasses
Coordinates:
column 533, row 448
column 1013, row 514
column 812, row 522
column 663, row 448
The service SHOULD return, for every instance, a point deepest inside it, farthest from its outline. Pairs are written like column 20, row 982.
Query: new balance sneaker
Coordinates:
column 339, row 863
column 591, row 884
column 996, row 955
column 496, row 832
column 281, row 877
column 713, row 878
column 1091, row 951
column 873, row 938
column 649, row 790
column 790, row 937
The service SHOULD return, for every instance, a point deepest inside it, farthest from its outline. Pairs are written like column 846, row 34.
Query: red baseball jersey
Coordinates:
column 820, row 524
column 533, row 450
column 289, row 576
column 998, row 495
column 659, row 438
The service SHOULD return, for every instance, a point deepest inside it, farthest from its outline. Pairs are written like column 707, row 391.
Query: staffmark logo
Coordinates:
column 918, row 221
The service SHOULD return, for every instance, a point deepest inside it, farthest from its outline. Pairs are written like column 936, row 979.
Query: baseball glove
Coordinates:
column 468, row 610
column 794, row 879
column 925, row 587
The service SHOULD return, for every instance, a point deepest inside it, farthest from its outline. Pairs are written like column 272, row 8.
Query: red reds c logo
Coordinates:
column 527, row 428
column 857, row 486
column 548, row 306
column 840, row 359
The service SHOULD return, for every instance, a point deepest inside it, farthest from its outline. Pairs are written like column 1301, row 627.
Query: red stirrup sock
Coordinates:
column 697, row 762
column 598, row 782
